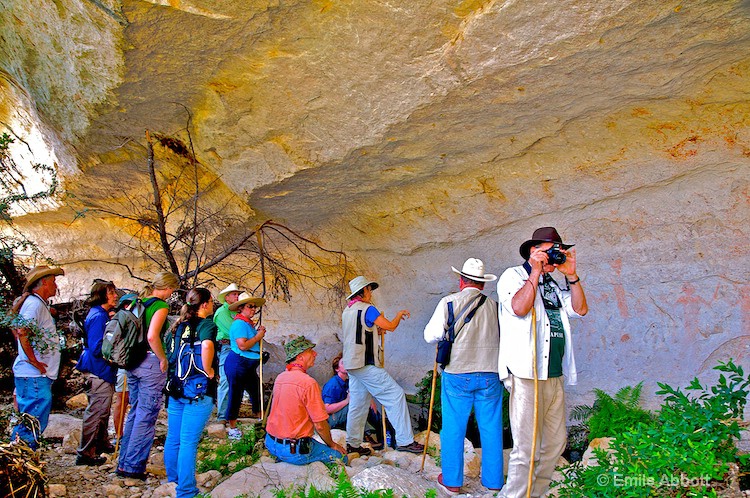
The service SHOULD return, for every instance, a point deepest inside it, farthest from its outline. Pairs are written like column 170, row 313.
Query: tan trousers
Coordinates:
column 551, row 435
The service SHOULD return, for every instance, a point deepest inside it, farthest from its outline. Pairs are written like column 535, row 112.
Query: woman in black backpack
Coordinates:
column 195, row 363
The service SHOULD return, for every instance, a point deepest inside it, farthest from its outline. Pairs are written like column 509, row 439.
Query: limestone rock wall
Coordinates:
column 413, row 135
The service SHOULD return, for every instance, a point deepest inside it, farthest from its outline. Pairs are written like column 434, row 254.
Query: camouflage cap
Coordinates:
column 297, row 346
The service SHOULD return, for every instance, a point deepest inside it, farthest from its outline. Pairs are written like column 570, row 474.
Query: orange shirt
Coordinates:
column 297, row 404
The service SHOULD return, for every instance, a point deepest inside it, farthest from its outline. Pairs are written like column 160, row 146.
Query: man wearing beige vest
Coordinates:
column 470, row 378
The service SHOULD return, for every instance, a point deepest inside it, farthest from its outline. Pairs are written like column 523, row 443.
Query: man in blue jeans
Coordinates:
column 470, row 378
column 38, row 360
column 223, row 318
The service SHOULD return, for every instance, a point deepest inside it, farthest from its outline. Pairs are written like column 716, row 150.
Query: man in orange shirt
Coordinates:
column 297, row 410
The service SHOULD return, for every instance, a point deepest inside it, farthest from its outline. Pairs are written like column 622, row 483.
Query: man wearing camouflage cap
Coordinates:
column 297, row 411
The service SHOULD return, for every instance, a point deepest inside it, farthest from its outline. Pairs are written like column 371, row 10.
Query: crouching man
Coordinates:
column 297, row 410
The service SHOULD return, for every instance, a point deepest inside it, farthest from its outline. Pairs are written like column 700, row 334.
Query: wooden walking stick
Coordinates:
column 259, row 234
column 118, row 431
column 429, row 412
column 536, row 405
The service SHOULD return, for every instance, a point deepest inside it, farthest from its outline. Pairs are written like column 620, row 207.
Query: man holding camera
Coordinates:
column 532, row 302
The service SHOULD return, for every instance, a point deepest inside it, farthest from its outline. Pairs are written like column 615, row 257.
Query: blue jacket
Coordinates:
column 91, row 360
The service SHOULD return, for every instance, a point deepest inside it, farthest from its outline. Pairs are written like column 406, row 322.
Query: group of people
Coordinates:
column 524, row 341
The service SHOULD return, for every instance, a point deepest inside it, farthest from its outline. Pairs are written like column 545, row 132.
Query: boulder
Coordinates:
column 588, row 456
column 71, row 441
column 166, row 490
column 403, row 482
column 77, row 402
column 262, row 479
column 208, row 479
column 61, row 424
column 217, row 431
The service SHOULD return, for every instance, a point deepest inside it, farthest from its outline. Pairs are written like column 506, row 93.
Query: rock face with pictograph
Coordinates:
column 413, row 135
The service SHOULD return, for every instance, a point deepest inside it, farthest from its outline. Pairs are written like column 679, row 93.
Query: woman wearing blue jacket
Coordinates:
column 101, row 379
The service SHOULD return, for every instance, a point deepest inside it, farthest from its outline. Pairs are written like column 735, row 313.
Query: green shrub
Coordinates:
column 684, row 451
column 244, row 452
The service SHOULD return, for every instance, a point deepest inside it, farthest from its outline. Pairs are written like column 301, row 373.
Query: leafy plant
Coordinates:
column 231, row 456
column 611, row 415
column 684, row 451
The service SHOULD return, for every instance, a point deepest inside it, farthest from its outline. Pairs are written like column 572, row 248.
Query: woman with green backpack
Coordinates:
column 192, row 388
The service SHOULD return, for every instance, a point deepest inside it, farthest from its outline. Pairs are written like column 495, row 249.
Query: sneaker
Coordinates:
column 93, row 461
column 358, row 449
column 234, row 434
column 414, row 447
column 451, row 490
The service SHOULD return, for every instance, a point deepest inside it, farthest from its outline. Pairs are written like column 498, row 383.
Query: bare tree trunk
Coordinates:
column 158, row 208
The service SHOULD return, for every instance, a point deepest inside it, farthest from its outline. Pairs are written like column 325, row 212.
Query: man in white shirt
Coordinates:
column 528, row 296
column 38, row 360
column 470, row 379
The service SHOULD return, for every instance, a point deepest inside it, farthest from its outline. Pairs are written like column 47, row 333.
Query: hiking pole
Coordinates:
column 118, row 431
column 536, row 404
column 429, row 411
column 382, row 406
column 259, row 233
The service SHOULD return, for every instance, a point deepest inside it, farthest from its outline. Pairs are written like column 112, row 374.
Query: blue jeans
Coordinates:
column 319, row 452
column 145, row 383
column 222, row 394
column 459, row 393
column 34, row 397
column 186, row 422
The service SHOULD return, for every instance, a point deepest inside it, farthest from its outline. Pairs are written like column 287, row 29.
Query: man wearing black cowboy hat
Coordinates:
column 529, row 297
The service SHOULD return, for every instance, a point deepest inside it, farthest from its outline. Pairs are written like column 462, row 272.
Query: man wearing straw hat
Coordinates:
column 470, row 378
column 38, row 360
column 363, row 359
column 530, row 298
column 297, row 410
column 223, row 318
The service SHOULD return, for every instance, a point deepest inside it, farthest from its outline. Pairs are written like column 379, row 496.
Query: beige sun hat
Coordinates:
column 358, row 283
column 39, row 272
column 246, row 298
column 222, row 297
column 474, row 269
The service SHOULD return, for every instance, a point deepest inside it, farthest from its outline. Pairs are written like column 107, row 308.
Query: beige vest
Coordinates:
column 359, row 339
column 478, row 342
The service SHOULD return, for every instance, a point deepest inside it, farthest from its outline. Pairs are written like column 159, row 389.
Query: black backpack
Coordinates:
column 125, row 341
column 186, row 378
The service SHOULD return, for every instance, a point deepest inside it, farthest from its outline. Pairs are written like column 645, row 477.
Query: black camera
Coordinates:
column 555, row 256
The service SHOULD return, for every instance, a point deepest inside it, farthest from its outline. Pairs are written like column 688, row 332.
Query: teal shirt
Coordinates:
column 223, row 319
column 242, row 329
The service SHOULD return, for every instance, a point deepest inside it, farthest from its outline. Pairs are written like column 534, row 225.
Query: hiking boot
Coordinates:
column 359, row 449
column 92, row 461
column 108, row 448
column 142, row 476
column 451, row 490
column 234, row 434
column 413, row 447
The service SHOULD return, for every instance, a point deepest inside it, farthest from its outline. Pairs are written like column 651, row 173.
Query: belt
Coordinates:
column 223, row 341
column 287, row 440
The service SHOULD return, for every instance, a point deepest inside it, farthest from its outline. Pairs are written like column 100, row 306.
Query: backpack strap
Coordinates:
column 450, row 333
column 471, row 314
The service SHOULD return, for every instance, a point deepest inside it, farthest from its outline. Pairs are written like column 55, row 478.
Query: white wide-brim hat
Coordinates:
column 358, row 283
column 223, row 294
column 246, row 298
column 474, row 269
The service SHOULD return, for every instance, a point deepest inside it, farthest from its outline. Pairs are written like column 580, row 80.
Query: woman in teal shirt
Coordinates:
column 242, row 362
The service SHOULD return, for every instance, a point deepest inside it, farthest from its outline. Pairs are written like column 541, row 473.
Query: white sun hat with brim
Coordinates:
column 246, row 298
column 474, row 269
column 223, row 294
column 358, row 283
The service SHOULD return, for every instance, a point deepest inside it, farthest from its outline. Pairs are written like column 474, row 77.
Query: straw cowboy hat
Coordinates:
column 223, row 294
column 541, row 235
column 246, row 298
column 358, row 283
column 474, row 269
column 297, row 346
column 39, row 272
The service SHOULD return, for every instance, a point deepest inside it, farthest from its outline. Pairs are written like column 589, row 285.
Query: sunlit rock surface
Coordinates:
column 413, row 135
